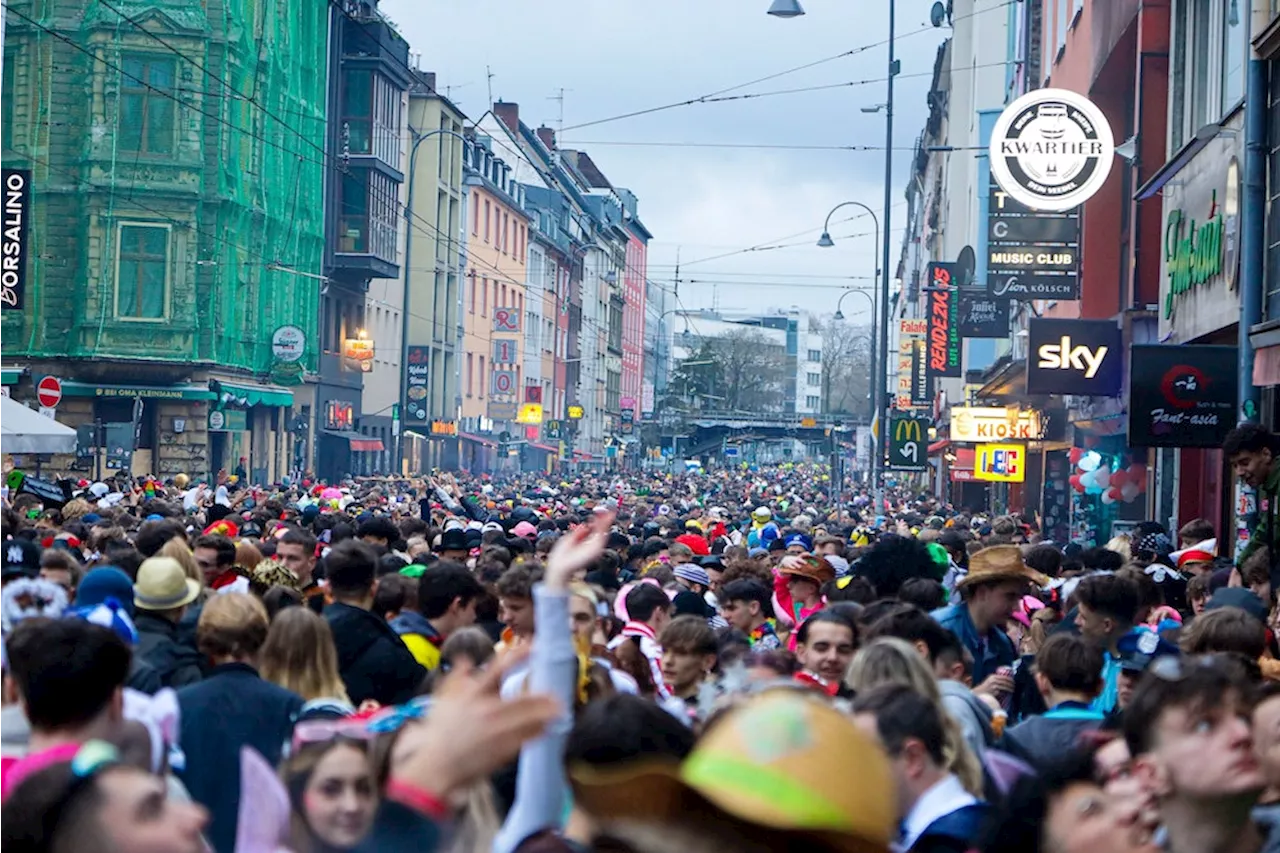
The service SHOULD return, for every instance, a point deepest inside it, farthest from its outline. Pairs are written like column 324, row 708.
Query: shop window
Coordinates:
column 142, row 271
column 147, row 105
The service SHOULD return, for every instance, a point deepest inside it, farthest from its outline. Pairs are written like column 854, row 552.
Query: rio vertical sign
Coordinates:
column 15, row 229
column 944, row 321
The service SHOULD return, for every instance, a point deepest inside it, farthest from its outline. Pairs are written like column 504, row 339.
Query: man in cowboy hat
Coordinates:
column 991, row 591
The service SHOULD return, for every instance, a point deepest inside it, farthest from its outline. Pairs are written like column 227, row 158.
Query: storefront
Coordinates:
column 1199, row 302
column 250, row 429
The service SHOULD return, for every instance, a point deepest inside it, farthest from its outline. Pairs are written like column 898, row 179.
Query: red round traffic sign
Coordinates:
column 49, row 391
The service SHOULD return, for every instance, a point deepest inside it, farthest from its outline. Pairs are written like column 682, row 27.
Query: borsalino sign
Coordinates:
column 971, row 424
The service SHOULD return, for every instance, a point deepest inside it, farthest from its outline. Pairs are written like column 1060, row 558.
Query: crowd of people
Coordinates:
column 733, row 660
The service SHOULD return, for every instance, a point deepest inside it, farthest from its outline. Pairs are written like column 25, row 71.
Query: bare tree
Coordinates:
column 846, row 368
column 740, row 371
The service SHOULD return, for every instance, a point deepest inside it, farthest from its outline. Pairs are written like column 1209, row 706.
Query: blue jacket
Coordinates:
column 231, row 708
column 997, row 651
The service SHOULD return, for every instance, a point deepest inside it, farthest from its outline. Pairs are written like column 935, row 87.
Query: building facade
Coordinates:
column 370, row 76
column 176, row 223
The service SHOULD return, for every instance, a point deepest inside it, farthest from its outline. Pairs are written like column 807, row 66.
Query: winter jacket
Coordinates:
column 420, row 636
column 989, row 653
column 1041, row 740
column 230, row 709
column 372, row 659
column 159, row 646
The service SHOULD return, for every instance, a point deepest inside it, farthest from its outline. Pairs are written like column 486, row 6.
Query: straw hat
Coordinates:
column 768, row 763
column 1000, row 563
column 809, row 567
column 162, row 585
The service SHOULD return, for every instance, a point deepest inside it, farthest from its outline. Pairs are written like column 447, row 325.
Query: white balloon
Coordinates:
column 1106, row 497
column 1089, row 461
column 1129, row 491
column 1102, row 477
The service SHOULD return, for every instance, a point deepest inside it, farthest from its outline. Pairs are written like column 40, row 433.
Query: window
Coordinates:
column 812, row 402
column 506, row 233
column 371, row 115
column 484, row 298
column 815, row 355
column 470, row 365
column 475, row 220
column 503, row 303
column 482, row 376
column 142, row 271
column 368, row 222
column 1210, row 48
column 147, row 106
column 472, row 288
column 486, row 220
column 814, row 379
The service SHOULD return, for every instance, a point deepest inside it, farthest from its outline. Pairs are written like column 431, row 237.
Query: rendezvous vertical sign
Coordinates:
column 944, row 321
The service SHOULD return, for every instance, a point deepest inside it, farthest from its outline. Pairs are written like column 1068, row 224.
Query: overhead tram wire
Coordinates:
column 708, row 98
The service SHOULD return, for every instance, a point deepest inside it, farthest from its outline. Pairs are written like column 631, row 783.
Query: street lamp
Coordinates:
column 786, row 9
column 839, row 315
column 878, row 395
column 408, row 271
column 882, row 410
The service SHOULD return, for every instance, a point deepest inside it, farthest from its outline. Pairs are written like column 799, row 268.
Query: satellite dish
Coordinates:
column 938, row 14
column 967, row 263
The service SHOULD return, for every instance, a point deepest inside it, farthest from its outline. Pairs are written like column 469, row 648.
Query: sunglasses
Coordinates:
column 385, row 721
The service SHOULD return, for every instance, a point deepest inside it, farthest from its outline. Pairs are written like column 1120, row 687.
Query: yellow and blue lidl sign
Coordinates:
column 1000, row 463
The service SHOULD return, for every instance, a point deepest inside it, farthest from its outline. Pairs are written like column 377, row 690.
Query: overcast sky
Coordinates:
column 619, row 56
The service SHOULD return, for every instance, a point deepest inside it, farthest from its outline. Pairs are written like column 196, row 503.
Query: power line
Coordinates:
column 712, row 97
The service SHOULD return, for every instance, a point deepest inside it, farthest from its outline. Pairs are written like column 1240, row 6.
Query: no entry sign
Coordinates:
column 49, row 392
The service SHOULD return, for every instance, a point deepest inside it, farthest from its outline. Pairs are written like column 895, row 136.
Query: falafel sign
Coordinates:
column 1051, row 149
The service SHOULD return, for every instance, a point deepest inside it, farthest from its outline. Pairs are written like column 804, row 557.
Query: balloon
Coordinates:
column 1093, row 490
column 1107, row 498
column 1074, row 480
column 1102, row 477
column 1075, row 454
column 1130, row 491
column 1120, row 477
column 1089, row 462
column 1087, row 479
column 331, row 493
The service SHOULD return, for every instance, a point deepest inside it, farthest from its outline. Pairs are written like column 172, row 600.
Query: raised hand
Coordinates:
column 576, row 549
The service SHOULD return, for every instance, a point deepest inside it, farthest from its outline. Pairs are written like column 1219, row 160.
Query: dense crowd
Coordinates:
column 736, row 660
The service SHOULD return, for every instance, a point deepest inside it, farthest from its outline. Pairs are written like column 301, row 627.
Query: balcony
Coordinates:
column 369, row 40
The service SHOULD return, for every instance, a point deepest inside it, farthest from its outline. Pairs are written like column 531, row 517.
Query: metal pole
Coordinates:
column 881, row 398
column 1253, row 244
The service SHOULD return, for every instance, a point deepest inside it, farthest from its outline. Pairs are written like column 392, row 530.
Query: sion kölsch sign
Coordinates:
column 1182, row 396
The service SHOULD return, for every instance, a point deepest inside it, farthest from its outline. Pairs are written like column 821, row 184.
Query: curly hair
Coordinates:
column 894, row 560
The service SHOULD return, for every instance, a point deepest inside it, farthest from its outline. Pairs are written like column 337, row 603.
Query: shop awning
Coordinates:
column 256, row 395
column 467, row 436
column 962, row 467
column 359, row 443
column 11, row 375
column 545, row 448
column 26, row 431
column 183, row 391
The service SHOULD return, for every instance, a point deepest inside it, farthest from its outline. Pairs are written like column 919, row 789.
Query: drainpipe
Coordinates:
column 1253, row 205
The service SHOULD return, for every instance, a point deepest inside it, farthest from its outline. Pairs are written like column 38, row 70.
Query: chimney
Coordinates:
column 429, row 78
column 548, row 137
column 508, row 114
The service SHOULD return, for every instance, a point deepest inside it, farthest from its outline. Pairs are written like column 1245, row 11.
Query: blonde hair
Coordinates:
column 889, row 660
column 178, row 550
column 75, row 508
column 299, row 655
column 247, row 555
column 233, row 625
column 1122, row 546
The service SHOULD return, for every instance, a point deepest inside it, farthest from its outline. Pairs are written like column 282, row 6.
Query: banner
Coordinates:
column 1182, row 396
column 357, row 355
column 417, row 375
column 914, row 385
column 15, row 213
column 944, row 317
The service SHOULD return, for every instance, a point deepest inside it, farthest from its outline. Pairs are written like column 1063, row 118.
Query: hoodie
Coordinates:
column 420, row 636
column 373, row 661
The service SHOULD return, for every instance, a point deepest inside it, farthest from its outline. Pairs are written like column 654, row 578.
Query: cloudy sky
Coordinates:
column 619, row 56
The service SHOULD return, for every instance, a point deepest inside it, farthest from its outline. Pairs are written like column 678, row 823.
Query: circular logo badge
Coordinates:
column 288, row 343
column 217, row 420
column 1051, row 149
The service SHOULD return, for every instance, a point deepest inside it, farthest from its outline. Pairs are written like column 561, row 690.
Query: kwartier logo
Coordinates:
column 1051, row 149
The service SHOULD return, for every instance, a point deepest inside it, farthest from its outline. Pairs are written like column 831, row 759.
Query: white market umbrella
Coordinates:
column 25, row 431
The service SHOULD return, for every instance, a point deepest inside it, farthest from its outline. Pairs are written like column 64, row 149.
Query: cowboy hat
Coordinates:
column 767, row 763
column 1000, row 563
column 807, row 566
